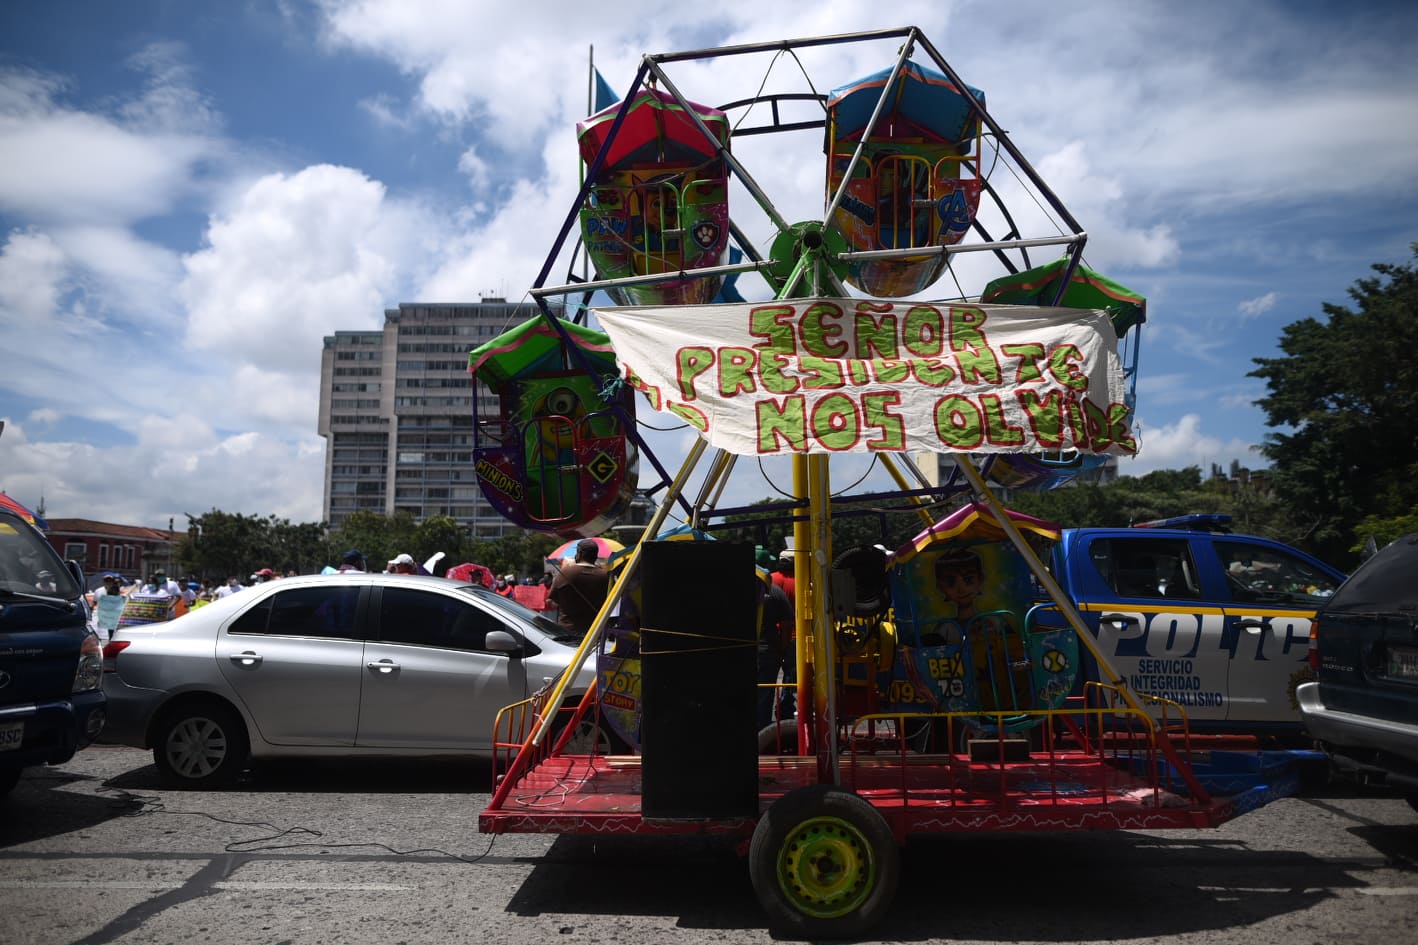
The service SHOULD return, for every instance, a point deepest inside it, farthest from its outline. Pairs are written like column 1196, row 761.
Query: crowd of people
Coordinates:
column 178, row 597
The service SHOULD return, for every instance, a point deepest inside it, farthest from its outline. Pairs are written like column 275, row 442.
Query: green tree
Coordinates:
column 300, row 547
column 378, row 537
column 440, row 533
column 224, row 544
column 1344, row 403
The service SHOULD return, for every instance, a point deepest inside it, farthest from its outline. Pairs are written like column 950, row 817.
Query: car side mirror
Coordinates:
column 501, row 641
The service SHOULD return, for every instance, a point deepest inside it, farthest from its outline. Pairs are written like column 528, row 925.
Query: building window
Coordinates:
column 103, row 556
column 76, row 550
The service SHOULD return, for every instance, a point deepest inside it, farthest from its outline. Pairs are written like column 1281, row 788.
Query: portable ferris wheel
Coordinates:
column 914, row 716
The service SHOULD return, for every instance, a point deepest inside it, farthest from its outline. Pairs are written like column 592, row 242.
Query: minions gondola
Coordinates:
column 659, row 204
column 556, row 456
column 1085, row 289
column 915, row 185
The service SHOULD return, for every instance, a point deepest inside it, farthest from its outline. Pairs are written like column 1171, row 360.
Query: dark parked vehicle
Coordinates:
column 1363, row 706
column 51, row 703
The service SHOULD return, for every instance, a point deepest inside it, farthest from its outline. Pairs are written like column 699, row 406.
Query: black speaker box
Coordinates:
column 698, row 636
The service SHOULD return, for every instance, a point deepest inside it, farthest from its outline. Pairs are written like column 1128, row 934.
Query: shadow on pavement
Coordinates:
column 40, row 806
column 1005, row 887
column 344, row 776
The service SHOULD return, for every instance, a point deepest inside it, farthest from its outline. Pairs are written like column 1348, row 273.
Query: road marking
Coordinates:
column 225, row 884
column 1314, row 890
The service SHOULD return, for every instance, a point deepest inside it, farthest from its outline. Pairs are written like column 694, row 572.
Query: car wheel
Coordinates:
column 824, row 863
column 200, row 745
column 8, row 779
column 590, row 738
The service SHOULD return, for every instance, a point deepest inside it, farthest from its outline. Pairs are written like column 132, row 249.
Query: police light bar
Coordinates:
column 1196, row 522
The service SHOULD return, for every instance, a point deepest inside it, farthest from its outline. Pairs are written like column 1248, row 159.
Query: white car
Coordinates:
column 339, row 665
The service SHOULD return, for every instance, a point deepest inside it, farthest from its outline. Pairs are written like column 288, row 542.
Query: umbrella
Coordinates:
column 8, row 503
column 684, row 532
column 605, row 547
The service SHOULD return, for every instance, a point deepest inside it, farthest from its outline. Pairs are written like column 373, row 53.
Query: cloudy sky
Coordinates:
column 193, row 195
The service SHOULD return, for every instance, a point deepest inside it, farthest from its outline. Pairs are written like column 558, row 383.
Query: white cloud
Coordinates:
column 177, row 466
column 297, row 257
column 1181, row 444
column 1259, row 305
column 64, row 165
column 31, row 268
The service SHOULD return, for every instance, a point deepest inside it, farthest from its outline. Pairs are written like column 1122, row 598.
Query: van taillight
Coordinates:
column 1314, row 654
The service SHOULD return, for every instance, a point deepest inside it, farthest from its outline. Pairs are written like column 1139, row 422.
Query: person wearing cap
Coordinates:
column 44, row 582
column 352, row 560
column 580, row 588
column 112, row 585
column 403, row 564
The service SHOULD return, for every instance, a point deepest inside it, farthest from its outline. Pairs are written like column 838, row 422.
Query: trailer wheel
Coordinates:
column 824, row 863
column 779, row 738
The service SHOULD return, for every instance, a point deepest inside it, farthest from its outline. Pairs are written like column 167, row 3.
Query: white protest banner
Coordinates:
column 859, row 375
column 109, row 607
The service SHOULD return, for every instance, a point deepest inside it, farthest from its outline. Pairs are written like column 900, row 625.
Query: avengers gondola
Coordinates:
column 660, row 199
column 1085, row 289
column 556, row 458
column 915, row 185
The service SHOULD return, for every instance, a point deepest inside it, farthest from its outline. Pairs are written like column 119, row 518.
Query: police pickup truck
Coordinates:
column 1184, row 609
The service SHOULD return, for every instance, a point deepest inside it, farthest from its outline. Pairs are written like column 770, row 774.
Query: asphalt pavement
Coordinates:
column 95, row 851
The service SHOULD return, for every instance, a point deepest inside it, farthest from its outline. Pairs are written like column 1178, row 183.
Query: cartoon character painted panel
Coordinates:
column 915, row 184
column 660, row 201
column 968, row 639
column 557, row 457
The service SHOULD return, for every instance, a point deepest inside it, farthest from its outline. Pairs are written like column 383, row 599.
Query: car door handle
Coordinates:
column 383, row 666
column 246, row 658
column 1251, row 624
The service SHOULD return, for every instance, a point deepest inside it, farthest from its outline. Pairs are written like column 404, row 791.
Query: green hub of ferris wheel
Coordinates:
column 803, row 246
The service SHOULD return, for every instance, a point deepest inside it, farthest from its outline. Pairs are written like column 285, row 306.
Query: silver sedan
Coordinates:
column 328, row 665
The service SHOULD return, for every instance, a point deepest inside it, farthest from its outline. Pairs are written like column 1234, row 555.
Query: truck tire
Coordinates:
column 200, row 745
column 824, row 863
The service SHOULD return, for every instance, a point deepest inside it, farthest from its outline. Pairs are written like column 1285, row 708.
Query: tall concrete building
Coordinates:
column 396, row 412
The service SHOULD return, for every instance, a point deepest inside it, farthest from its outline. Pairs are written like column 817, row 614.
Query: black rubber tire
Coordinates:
column 606, row 741
column 824, row 864
column 868, row 567
column 200, row 745
column 9, row 777
column 779, row 738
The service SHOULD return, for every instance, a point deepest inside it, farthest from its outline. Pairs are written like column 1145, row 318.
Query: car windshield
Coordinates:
column 28, row 565
column 550, row 627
